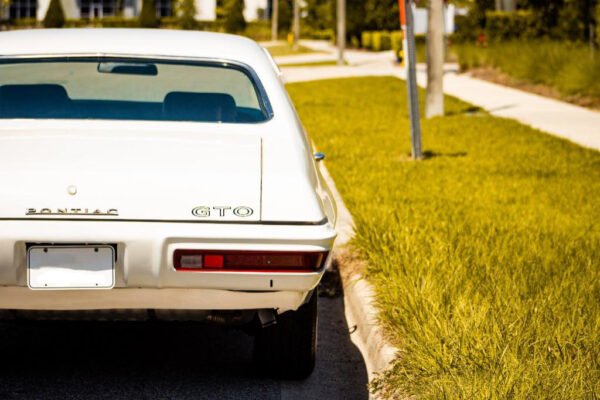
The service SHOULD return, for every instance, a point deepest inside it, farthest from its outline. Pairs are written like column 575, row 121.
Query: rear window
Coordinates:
column 130, row 89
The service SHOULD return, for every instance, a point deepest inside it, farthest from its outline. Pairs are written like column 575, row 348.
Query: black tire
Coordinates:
column 288, row 349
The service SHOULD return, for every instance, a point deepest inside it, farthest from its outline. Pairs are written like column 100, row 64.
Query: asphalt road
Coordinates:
column 139, row 360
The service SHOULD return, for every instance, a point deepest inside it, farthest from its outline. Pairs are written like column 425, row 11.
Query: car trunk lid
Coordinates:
column 94, row 175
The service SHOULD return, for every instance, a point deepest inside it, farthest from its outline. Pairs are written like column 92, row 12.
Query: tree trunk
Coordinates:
column 435, row 59
column 509, row 5
column 274, row 19
column 341, row 31
column 296, row 24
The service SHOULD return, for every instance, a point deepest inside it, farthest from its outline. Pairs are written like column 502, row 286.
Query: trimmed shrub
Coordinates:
column 116, row 22
column 55, row 17
column 24, row 23
column 169, row 22
column 467, row 28
column 148, row 17
column 367, row 40
column 317, row 34
column 382, row 41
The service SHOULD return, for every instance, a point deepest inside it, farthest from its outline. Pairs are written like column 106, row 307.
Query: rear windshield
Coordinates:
column 130, row 89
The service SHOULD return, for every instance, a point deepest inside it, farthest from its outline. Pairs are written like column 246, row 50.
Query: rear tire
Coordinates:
column 288, row 349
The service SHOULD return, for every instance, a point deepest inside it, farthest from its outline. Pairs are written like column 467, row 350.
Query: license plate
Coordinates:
column 71, row 267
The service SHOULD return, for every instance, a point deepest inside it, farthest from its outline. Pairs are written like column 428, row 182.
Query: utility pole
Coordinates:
column 274, row 19
column 408, row 43
column 435, row 59
column 341, row 30
column 296, row 24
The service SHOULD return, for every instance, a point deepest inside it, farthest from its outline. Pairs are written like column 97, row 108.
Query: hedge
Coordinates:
column 381, row 41
column 503, row 25
column 367, row 40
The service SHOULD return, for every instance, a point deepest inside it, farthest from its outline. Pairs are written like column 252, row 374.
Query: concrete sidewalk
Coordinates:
column 577, row 124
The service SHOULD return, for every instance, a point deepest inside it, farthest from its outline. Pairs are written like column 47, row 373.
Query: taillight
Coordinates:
column 251, row 261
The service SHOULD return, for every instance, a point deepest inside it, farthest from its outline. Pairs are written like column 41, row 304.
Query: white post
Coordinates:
column 435, row 59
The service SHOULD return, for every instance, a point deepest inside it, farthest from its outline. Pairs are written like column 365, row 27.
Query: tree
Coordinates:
column 296, row 24
column 234, row 16
column 597, row 21
column 4, row 5
column 381, row 15
column 148, row 17
column 55, row 17
column 506, row 5
column 186, row 13
column 319, row 14
column 274, row 20
column 435, row 59
column 285, row 15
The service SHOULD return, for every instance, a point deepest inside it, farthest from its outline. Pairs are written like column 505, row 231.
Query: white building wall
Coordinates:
column 70, row 8
column 42, row 7
column 420, row 16
column 206, row 10
column 251, row 9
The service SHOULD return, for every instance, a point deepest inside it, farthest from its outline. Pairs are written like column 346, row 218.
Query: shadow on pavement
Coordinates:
column 161, row 360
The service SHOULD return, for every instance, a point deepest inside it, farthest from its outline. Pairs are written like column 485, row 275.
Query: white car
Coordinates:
column 160, row 174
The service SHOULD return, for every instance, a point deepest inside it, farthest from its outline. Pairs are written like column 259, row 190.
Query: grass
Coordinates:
column 568, row 67
column 285, row 49
column 484, row 256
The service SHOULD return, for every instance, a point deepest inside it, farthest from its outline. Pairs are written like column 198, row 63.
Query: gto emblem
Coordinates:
column 113, row 212
column 221, row 211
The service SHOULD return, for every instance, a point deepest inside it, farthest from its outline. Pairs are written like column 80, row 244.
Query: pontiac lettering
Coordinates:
column 113, row 212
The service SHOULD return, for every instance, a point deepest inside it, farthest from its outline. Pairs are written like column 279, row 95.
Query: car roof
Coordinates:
column 136, row 42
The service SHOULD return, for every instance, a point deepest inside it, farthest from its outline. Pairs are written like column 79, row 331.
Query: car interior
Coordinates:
column 51, row 101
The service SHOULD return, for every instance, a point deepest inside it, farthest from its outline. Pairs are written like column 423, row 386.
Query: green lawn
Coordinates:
column 285, row 49
column 485, row 256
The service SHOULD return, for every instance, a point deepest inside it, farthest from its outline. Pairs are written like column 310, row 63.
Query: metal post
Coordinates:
column 296, row 24
column 274, row 19
column 411, row 83
column 341, row 30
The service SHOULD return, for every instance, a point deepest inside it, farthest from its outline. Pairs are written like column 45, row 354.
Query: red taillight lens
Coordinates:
column 257, row 261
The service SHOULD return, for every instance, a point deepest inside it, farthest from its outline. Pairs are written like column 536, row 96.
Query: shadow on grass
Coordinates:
column 470, row 111
column 428, row 154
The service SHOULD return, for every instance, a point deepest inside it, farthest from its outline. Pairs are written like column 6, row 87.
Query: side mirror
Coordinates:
column 318, row 156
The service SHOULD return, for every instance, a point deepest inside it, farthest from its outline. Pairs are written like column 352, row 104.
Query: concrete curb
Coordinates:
column 359, row 299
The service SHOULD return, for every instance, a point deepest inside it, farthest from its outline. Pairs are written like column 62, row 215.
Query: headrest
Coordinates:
column 32, row 101
column 201, row 107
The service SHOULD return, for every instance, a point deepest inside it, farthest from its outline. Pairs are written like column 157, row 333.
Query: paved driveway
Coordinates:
column 166, row 361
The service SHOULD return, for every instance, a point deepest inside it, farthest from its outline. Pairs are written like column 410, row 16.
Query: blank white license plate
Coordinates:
column 71, row 267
